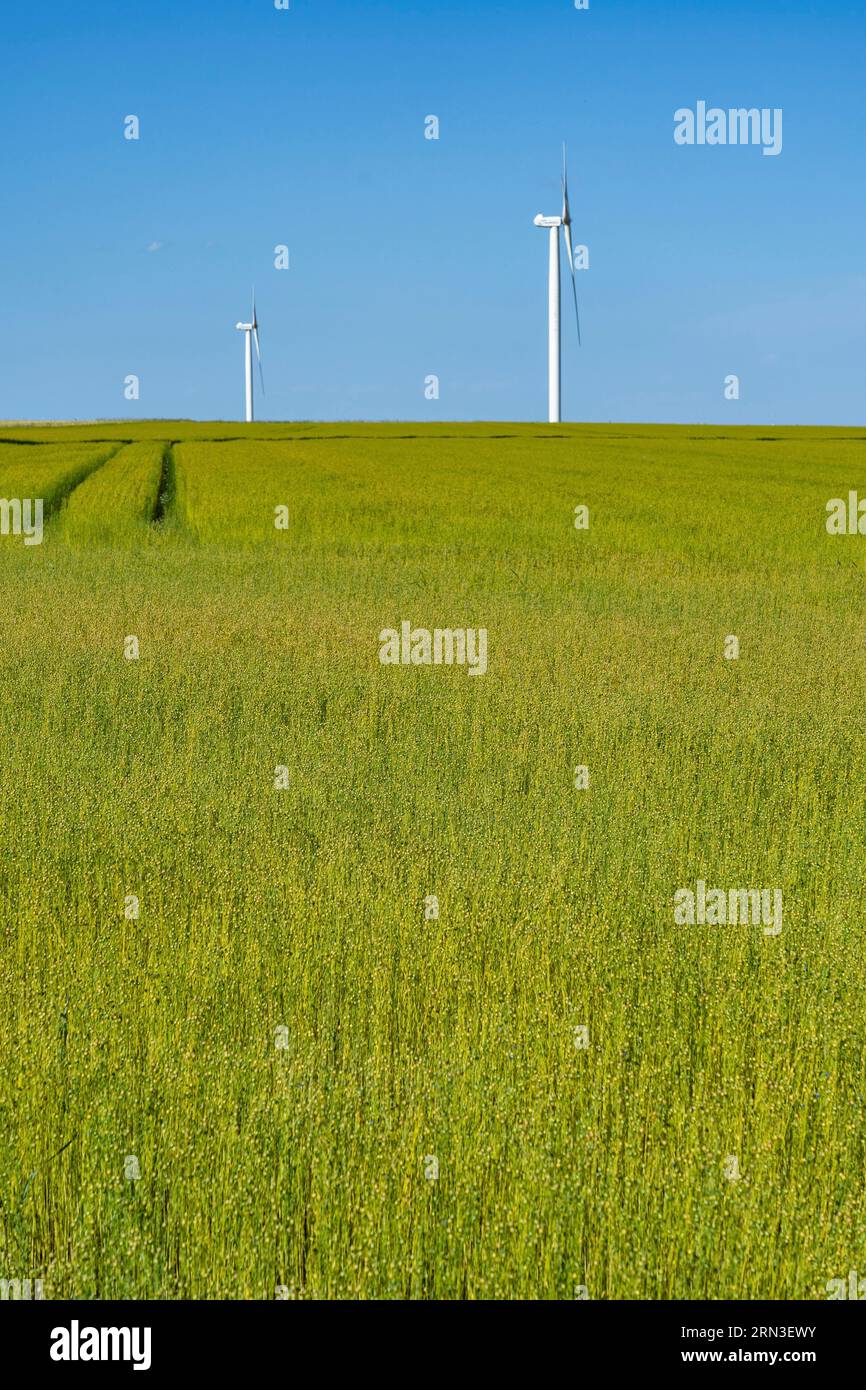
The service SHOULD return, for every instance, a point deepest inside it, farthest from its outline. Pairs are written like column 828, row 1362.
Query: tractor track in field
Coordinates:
column 50, row 443
column 165, row 494
column 60, row 498
column 165, row 490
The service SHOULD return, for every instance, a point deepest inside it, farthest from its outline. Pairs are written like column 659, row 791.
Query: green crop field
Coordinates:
column 323, row 977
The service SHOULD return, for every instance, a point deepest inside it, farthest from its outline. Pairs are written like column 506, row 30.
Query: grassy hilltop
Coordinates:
column 281, row 1042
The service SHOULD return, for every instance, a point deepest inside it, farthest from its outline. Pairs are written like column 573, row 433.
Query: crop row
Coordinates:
column 50, row 472
column 118, row 497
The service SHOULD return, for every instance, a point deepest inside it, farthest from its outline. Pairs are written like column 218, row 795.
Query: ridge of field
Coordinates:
column 48, row 471
column 324, row 1088
column 131, row 431
column 119, row 499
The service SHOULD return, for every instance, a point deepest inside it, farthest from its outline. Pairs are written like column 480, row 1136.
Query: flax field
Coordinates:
column 323, row 978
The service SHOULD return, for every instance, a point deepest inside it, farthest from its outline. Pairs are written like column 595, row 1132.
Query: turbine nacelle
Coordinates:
column 541, row 221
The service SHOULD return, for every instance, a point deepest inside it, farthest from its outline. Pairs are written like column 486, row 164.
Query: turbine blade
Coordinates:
column 567, row 229
column 258, row 353
column 566, row 215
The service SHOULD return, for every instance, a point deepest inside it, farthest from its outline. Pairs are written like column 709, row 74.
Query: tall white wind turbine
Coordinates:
column 554, row 328
column 251, row 331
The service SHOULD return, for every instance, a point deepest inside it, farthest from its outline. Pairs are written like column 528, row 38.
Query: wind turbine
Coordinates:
column 251, row 330
column 554, row 331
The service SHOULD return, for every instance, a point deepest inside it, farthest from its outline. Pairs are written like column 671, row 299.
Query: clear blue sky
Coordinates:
column 411, row 257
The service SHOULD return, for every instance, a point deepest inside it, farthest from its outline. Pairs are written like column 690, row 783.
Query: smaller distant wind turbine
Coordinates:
column 251, row 330
column 554, row 330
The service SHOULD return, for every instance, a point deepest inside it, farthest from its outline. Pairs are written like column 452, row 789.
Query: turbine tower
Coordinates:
column 251, row 330
column 554, row 348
